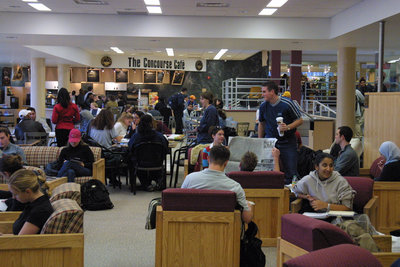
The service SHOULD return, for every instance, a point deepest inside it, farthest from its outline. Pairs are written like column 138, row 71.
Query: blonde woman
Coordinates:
column 25, row 187
column 124, row 121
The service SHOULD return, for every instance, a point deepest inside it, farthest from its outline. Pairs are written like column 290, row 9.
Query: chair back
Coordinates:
column 259, row 179
column 182, row 199
column 364, row 191
column 150, row 154
column 67, row 218
column 242, row 128
column 375, row 170
column 32, row 136
column 312, row 234
column 340, row 255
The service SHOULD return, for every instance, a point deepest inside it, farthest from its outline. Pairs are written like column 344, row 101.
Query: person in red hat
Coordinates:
column 76, row 158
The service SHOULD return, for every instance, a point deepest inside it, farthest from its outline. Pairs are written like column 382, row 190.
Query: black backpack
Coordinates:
column 95, row 196
column 251, row 254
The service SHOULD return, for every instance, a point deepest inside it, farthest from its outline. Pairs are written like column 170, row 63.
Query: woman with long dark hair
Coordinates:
column 65, row 115
column 102, row 129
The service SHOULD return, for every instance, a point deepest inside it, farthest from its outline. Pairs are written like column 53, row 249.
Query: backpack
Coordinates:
column 251, row 254
column 151, row 215
column 95, row 196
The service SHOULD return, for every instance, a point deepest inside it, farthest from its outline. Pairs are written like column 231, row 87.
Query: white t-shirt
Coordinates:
column 120, row 129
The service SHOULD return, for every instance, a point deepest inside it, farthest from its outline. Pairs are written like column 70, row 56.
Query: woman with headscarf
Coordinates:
column 391, row 169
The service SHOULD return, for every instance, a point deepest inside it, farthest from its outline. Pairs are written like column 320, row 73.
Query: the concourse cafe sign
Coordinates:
column 143, row 62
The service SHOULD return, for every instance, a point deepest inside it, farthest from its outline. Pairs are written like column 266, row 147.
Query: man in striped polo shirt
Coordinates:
column 274, row 107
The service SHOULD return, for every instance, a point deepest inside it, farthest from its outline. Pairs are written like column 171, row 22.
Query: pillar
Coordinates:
column 63, row 76
column 276, row 64
column 38, row 91
column 345, row 87
column 295, row 74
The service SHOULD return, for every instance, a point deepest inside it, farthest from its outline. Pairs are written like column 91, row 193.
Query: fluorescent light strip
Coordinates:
column 220, row 54
column 31, row 1
column 170, row 52
column 117, row 50
column 276, row 3
column 39, row 6
column 152, row 2
column 154, row 9
column 267, row 11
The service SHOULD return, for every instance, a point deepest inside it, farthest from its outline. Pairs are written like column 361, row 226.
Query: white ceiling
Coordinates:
column 13, row 43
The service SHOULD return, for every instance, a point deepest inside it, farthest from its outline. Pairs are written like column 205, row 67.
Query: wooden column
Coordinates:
column 38, row 91
column 63, row 76
column 345, row 87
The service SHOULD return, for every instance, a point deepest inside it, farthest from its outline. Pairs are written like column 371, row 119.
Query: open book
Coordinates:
column 333, row 213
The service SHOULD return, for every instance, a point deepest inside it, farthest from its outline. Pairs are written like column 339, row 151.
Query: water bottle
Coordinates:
column 294, row 180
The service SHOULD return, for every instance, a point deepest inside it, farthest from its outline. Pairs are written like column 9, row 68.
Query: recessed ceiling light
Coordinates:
column 116, row 50
column 31, row 1
column 210, row 52
column 154, row 9
column 267, row 11
column 220, row 54
column 276, row 3
column 228, row 56
column 181, row 55
column 39, row 6
column 106, row 50
column 152, row 2
column 158, row 51
column 170, row 52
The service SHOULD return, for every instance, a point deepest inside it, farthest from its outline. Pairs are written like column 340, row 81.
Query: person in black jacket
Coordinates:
column 26, row 125
column 391, row 167
column 76, row 159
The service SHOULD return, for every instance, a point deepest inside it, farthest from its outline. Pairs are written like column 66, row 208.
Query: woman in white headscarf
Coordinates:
column 391, row 169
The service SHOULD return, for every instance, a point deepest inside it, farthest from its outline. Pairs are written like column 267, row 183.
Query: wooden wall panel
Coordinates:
column 381, row 124
column 51, row 74
column 389, row 210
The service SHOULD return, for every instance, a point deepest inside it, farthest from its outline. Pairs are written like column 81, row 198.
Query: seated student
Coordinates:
column 123, row 123
column 6, row 147
column 187, row 114
column 76, row 159
column 161, row 127
column 248, row 162
column 217, row 134
column 391, row 168
column 347, row 162
column 324, row 188
column 102, row 129
column 25, row 187
column 136, row 120
column 94, row 109
column 26, row 124
column 214, row 178
column 8, row 165
column 145, row 133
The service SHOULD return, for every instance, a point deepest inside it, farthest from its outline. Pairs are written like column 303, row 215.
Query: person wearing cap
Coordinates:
column 192, row 101
column 76, row 159
column 26, row 125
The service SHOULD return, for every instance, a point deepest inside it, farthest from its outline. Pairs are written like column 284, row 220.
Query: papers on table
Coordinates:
column 176, row 137
column 333, row 213
column 3, row 205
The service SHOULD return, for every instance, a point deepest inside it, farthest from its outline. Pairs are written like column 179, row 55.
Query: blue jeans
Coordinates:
column 288, row 149
column 72, row 170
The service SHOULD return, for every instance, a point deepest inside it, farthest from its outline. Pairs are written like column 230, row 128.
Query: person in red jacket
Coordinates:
column 65, row 115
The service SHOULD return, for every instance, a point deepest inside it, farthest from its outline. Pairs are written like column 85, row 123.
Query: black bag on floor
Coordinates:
column 151, row 215
column 251, row 254
column 95, row 196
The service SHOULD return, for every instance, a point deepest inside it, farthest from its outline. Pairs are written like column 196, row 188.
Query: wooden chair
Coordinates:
column 60, row 244
column 266, row 189
column 388, row 218
column 198, row 228
column 30, row 137
column 301, row 235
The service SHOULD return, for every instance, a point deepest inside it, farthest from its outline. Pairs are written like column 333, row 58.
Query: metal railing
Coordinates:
column 316, row 108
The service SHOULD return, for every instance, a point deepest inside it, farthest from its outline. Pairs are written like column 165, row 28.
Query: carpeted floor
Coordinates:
column 117, row 237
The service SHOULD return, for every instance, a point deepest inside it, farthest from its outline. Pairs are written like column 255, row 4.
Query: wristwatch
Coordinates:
column 288, row 128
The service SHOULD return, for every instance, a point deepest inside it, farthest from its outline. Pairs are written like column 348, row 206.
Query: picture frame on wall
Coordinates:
column 6, row 76
column 178, row 77
column 160, row 76
column 121, row 76
column 93, row 75
column 149, row 76
column 17, row 73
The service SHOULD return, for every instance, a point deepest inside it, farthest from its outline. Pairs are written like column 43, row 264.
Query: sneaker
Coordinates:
column 150, row 188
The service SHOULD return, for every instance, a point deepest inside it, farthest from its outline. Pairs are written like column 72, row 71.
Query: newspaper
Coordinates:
column 262, row 147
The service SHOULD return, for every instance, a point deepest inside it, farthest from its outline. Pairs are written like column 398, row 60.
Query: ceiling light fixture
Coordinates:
column 170, row 52
column 152, row 2
column 39, row 6
column 154, row 9
column 267, row 11
column 116, row 50
column 276, row 3
column 31, row 1
column 220, row 54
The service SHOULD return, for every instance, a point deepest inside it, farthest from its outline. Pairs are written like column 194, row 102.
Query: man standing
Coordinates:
column 177, row 104
column 42, row 121
column 210, row 118
column 214, row 178
column 7, row 147
column 273, row 108
column 347, row 163
column 26, row 125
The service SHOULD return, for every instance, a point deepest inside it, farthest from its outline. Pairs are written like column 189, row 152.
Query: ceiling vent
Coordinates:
column 91, row 2
column 211, row 4
column 131, row 13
